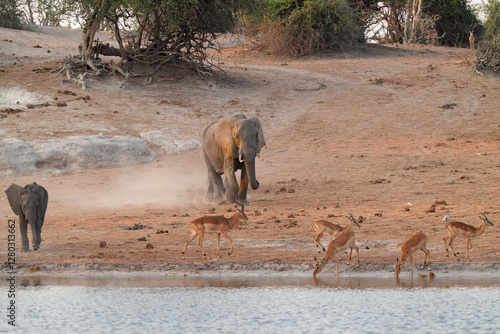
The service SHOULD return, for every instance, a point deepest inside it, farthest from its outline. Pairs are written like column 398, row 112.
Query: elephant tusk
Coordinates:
column 258, row 155
column 239, row 157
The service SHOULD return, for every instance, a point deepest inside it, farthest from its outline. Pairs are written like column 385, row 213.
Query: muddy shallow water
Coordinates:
column 257, row 303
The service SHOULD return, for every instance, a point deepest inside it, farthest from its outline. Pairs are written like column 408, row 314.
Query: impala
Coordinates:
column 416, row 242
column 432, row 37
column 322, row 226
column 214, row 224
column 455, row 228
column 343, row 241
column 472, row 42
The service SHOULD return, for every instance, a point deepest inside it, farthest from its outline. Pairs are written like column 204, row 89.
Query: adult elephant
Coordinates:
column 228, row 145
column 30, row 204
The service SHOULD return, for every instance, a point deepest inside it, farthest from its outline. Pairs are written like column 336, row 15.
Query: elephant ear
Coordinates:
column 14, row 193
column 261, row 141
column 43, row 198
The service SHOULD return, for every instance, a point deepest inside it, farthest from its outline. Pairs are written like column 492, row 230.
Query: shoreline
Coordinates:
column 236, row 267
column 270, row 274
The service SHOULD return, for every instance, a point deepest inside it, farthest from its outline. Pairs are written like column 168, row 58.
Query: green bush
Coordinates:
column 488, row 55
column 492, row 24
column 10, row 15
column 297, row 28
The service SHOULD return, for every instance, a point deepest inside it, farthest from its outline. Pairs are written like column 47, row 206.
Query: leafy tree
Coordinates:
column 10, row 14
column 492, row 24
column 156, row 32
column 456, row 20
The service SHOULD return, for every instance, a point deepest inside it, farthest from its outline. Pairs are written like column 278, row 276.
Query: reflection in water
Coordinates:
column 346, row 281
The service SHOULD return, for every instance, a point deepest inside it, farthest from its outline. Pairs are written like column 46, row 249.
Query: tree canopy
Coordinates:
column 10, row 14
column 185, row 32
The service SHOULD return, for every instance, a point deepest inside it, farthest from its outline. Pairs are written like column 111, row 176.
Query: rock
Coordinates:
column 432, row 208
column 168, row 140
column 142, row 239
column 149, row 246
column 450, row 180
column 19, row 158
column 102, row 244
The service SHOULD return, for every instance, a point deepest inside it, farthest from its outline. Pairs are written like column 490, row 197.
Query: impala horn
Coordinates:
column 487, row 220
column 238, row 203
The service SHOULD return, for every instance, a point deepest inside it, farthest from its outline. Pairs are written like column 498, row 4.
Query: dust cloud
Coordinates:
column 147, row 187
column 15, row 97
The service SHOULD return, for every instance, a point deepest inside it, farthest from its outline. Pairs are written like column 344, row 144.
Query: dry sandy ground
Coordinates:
column 375, row 132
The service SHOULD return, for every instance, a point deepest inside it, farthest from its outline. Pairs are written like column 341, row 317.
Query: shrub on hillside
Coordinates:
column 296, row 28
column 488, row 55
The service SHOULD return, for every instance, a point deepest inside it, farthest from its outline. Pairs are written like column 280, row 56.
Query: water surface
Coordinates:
column 257, row 304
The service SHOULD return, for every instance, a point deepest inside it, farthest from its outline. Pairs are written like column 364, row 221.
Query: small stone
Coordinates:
column 102, row 244
column 34, row 269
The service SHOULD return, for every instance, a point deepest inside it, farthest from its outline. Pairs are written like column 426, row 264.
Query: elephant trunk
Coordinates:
column 35, row 228
column 250, row 167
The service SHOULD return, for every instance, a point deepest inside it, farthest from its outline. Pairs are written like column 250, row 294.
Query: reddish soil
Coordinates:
column 374, row 131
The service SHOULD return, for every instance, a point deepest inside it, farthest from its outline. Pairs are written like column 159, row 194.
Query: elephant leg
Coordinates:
column 210, row 190
column 23, row 226
column 215, row 186
column 218, row 188
column 232, row 190
column 39, row 233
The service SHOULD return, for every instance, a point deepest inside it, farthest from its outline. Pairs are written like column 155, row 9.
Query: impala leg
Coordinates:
column 200, row 243
column 230, row 242
column 316, row 238
column 427, row 256
column 191, row 238
column 411, row 263
column 357, row 255
column 350, row 254
column 451, row 246
column 470, row 243
column 445, row 239
column 467, row 244
column 218, row 242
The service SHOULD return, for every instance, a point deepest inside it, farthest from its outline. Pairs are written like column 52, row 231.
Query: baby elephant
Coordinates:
column 30, row 204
